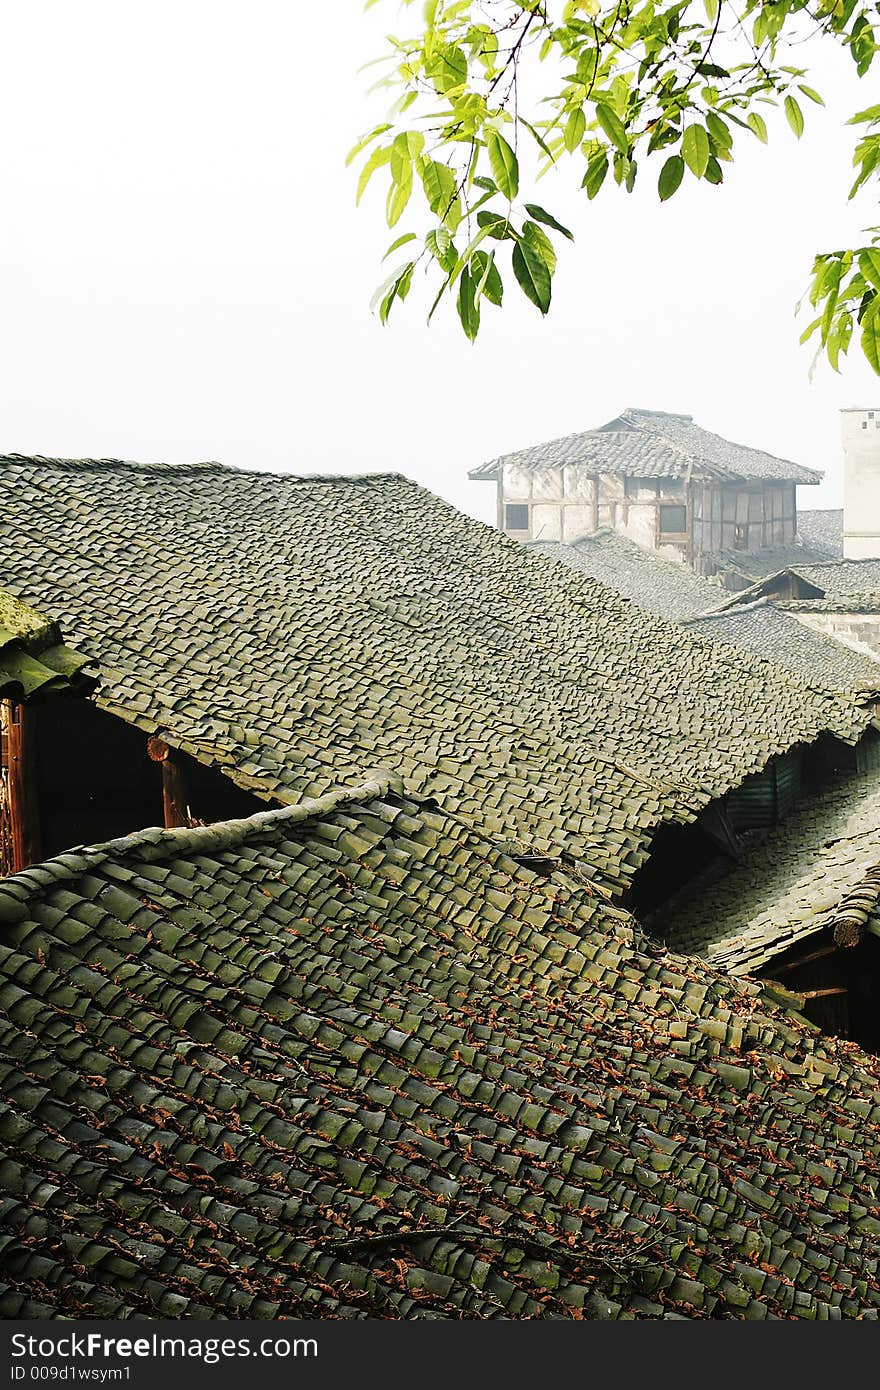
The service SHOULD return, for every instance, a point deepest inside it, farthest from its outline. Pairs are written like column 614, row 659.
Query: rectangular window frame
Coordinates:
column 680, row 511
column 520, row 508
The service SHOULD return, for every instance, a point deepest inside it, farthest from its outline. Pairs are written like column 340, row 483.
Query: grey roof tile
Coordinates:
column 657, row 585
column 653, row 443
column 822, row 530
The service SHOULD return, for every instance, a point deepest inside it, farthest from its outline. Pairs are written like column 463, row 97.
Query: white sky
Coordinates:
column 184, row 274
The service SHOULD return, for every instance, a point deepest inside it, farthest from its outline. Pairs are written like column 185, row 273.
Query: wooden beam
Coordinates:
column 805, row 960
column 175, row 791
column 21, row 752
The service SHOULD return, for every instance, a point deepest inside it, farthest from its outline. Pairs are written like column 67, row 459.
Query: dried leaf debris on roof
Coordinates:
column 302, row 631
column 347, row 1060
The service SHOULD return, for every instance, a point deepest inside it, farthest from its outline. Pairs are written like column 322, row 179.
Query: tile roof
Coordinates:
column 775, row 633
column 32, row 656
column 755, row 565
column 653, row 443
column 794, row 880
column 658, row 585
column 841, row 585
column 346, row 1060
column 295, row 631
column 822, row 530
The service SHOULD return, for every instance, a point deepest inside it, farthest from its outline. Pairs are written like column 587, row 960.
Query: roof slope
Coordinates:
column 822, row 529
column 652, row 443
column 32, row 656
column 347, row 1060
column 794, row 881
column 301, row 631
column 659, row 586
column 770, row 632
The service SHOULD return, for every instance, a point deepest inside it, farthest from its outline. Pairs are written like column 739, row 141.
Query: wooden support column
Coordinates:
column 21, row 775
column 175, row 792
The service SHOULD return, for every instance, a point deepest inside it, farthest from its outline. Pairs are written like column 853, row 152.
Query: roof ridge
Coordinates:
column 153, row 842
column 663, row 414
column 726, row 610
column 210, row 466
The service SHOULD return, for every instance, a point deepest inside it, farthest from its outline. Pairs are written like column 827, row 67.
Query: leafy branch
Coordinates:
column 618, row 83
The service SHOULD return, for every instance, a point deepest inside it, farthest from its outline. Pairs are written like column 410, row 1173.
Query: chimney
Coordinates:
column 861, row 483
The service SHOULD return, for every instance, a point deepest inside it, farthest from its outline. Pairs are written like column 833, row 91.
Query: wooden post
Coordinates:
column 175, row 793
column 21, row 745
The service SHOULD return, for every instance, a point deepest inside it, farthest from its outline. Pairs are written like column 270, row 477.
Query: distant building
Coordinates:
column 861, row 484
column 673, row 591
column 838, row 597
column 660, row 480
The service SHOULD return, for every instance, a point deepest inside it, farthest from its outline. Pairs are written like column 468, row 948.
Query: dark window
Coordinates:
column 516, row 516
column 673, row 520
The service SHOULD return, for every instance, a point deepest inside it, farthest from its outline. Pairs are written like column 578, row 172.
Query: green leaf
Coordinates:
column 375, row 161
column 497, row 226
column 366, row 140
column 671, row 176
column 468, row 308
column 794, row 115
column 719, row 132
column 540, row 243
column 595, row 175
column 396, row 245
column 447, row 68
column 869, row 264
column 439, row 243
column 532, row 275
column 395, row 287
column 541, row 215
column 505, row 167
column 811, row 93
column 575, row 128
column 695, row 149
column 441, row 191
column 871, row 336
column 613, row 126
column 400, row 190
column 758, row 125
column 488, row 281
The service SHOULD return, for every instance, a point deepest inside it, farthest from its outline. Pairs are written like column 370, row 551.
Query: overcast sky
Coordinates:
column 184, row 274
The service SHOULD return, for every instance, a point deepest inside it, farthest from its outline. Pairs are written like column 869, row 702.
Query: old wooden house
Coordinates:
column 662, row 481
